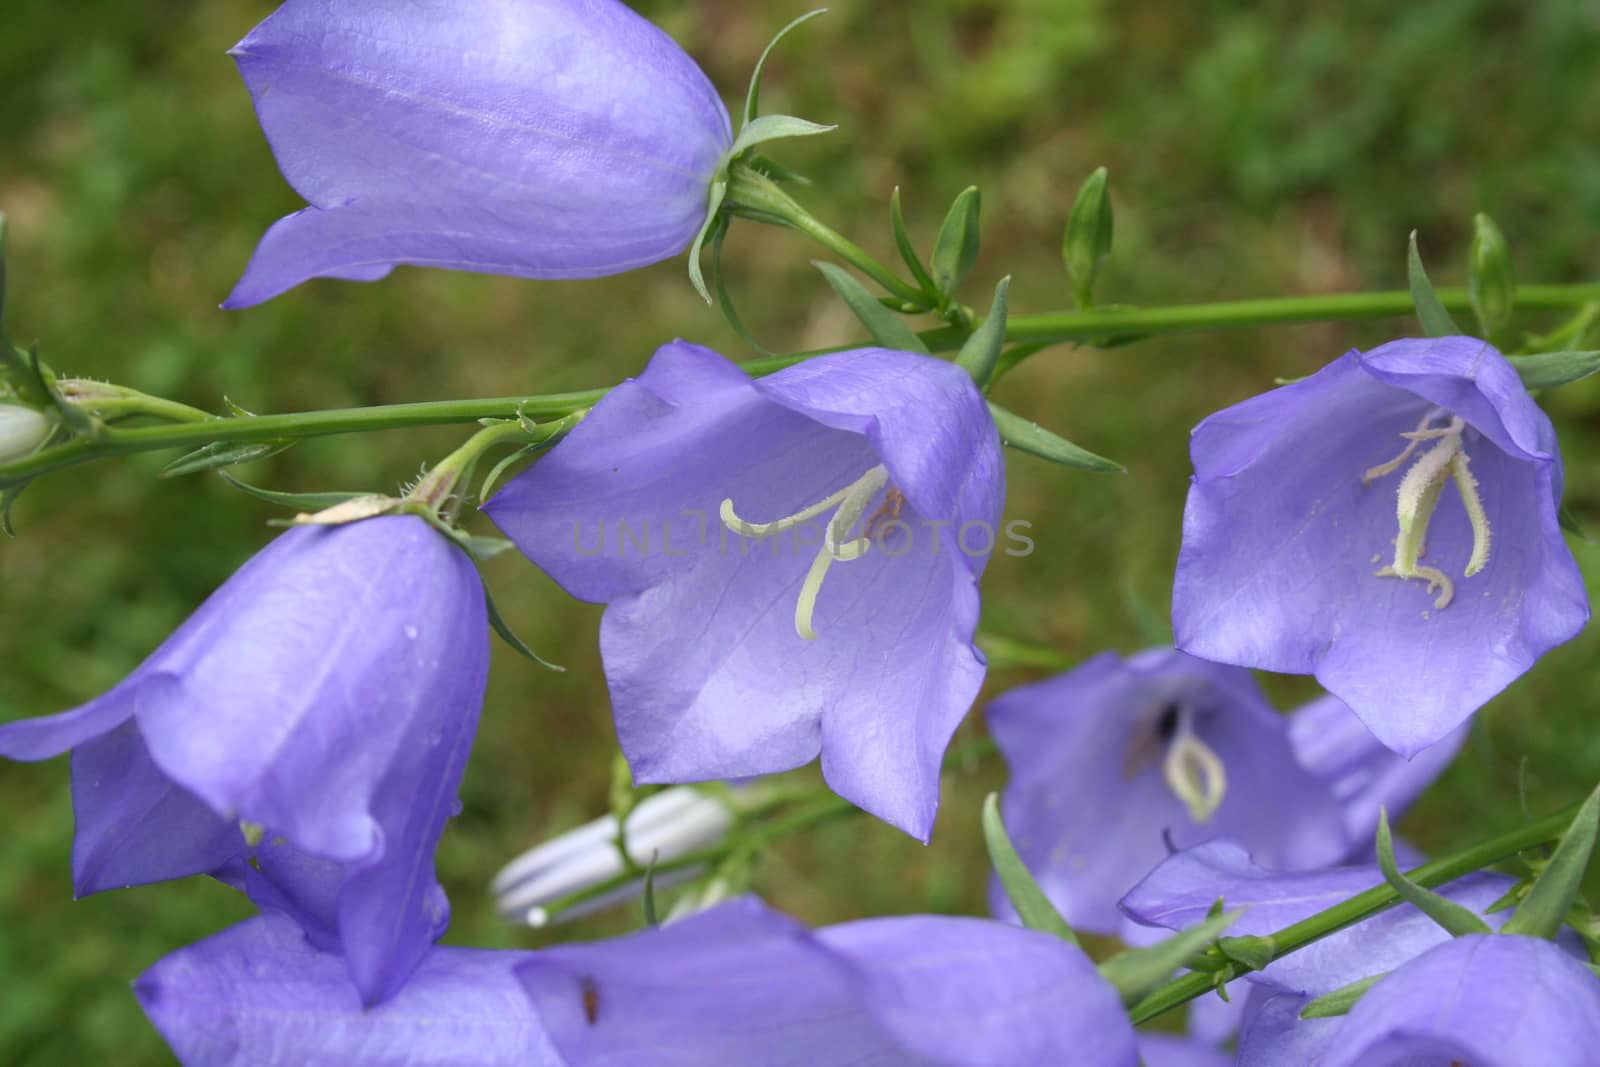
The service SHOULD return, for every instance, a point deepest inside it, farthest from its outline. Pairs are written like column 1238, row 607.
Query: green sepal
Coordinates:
column 1027, row 436
column 1456, row 920
column 980, row 355
column 1547, row 370
column 1491, row 283
column 714, row 198
column 775, row 128
column 220, row 454
column 1137, row 971
column 908, row 251
column 1087, row 239
column 492, row 479
column 498, row 623
column 752, row 97
column 483, row 548
column 1436, row 321
column 77, row 420
column 8, row 497
column 1033, row 907
column 295, row 501
column 1544, row 909
column 887, row 328
column 776, row 171
column 719, row 282
column 1340, row 1001
column 1253, row 952
column 955, row 250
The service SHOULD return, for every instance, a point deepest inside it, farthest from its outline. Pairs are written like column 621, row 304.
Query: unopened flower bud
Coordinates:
column 21, row 431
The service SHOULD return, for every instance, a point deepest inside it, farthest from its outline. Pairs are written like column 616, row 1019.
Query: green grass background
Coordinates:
column 1255, row 149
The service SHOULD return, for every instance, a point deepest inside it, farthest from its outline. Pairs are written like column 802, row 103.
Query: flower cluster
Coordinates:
column 790, row 567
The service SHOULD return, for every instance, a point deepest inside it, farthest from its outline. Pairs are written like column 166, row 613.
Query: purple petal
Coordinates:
column 1088, row 806
column 540, row 138
column 258, row 994
column 985, row 994
column 1282, row 539
column 1274, row 1035
column 1485, row 1000
column 1169, row 1050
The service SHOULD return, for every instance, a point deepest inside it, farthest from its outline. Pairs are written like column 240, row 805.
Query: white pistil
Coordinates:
column 1193, row 771
column 851, row 502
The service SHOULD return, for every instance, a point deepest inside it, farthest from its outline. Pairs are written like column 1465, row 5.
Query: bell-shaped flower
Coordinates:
column 537, row 138
column 790, row 564
column 259, row 993
column 320, row 704
column 740, row 984
column 1388, row 524
column 1118, row 761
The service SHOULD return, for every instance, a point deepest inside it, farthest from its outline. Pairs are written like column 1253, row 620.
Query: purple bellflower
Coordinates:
column 742, row 984
column 259, row 993
column 790, row 564
column 320, row 705
column 1119, row 760
column 537, row 138
column 1388, row 524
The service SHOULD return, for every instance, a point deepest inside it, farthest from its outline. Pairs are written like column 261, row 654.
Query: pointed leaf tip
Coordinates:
column 1033, row 907
column 1436, row 321
column 1545, row 908
column 1455, row 919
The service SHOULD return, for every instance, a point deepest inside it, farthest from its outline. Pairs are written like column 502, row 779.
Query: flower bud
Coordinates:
column 664, row 827
column 1087, row 240
column 21, row 431
column 1490, row 281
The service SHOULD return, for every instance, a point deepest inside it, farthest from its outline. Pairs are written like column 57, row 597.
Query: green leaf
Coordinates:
column 752, row 99
column 1340, row 1001
column 887, row 328
column 1569, row 522
column 1087, row 240
column 1455, row 919
column 775, row 128
column 220, row 454
column 1137, row 971
column 1491, row 284
column 1545, row 908
column 650, row 917
column 714, row 221
column 498, row 623
column 482, row 548
column 955, row 250
column 296, row 501
column 1254, row 952
column 719, row 282
column 979, row 356
column 908, row 251
column 1547, row 370
column 3, row 343
column 8, row 497
column 1033, row 907
column 1436, row 321
column 1030, row 437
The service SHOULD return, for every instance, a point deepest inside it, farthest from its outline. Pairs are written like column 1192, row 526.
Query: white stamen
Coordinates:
column 851, row 502
column 1415, row 437
column 1194, row 772
column 1436, row 579
column 1467, row 486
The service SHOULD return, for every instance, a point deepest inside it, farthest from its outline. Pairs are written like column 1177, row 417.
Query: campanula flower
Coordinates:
column 1388, row 524
column 321, row 705
column 790, row 564
column 259, row 993
column 1119, row 760
column 537, row 138
column 742, row 984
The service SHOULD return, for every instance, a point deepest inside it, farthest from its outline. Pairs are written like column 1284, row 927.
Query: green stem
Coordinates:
column 1362, row 906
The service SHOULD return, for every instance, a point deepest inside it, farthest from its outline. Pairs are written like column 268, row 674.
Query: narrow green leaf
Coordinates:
column 650, row 917
column 714, row 221
column 1087, row 239
column 955, row 250
column 498, row 623
column 8, row 497
column 908, row 251
column 775, row 128
column 1030, row 437
column 1340, row 1001
column 1491, row 284
column 1436, row 321
column 1545, row 908
column 296, row 501
column 73, row 417
column 1547, row 370
column 719, row 282
column 220, row 454
column 1455, row 919
column 1033, row 907
column 752, row 99
column 777, row 171
column 979, row 356
column 1569, row 522
column 1137, row 971
column 1254, row 952
column 887, row 328
column 482, row 548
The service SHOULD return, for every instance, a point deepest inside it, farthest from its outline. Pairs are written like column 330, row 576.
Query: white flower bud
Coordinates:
column 21, row 431
column 664, row 827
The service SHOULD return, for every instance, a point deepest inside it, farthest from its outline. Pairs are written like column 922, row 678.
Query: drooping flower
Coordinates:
column 537, row 138
column 320, row 704
column 1118, row 761
column 22, row 429
column 260, row 993
column 1389, row 525
column 742, row 984
column 790, row 564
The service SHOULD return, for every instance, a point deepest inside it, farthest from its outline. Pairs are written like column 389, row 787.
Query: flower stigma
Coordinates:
column 850, row 504
column 1190, row 767
column 1445, row 460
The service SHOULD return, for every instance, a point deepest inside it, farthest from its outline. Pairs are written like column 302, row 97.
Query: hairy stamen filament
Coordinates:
column 1193, row 771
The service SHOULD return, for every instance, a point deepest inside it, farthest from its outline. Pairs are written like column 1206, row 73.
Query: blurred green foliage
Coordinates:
column 1254, row 149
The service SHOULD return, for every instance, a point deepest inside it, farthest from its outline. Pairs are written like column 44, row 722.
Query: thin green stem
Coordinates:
column 1361, row 906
